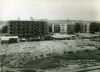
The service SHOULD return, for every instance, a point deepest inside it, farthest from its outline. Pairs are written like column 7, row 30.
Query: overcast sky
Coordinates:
column 50, row 9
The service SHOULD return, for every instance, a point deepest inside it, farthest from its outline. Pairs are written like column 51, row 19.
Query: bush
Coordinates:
column 13, row 40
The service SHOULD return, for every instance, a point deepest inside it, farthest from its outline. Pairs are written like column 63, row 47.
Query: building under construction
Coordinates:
column 27, row 29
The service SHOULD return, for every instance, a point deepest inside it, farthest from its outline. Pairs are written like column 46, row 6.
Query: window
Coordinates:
column 27, row 25
column 23, row 29
column 31, row 28
column 38, row 28
column 38, row 32
column 38, row 25
column 23, row 32
column 10, row 32
column 27, row 29
column 42, row 28
column 10, row 28
column 14, row 32
column 32, row 32
column 23, row 36
column 18, row 25
column 18, row 32
column 18, row 28
column 42, row 31
column 42, row 25
column 27, row 32
column 27, row 36
column 10, row 25
column 35, row 30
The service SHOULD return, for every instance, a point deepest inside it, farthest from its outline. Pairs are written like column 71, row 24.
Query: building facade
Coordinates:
column 32, row 29
column 63, row 28
column 27, row 29
column 69, row 26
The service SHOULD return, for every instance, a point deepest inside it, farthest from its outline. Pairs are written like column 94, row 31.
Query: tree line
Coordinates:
column 4, row 29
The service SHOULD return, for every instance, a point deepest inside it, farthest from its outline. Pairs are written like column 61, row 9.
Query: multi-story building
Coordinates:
column 56, row 28
column 70, row 29
column 63, row 28
column 69, row 26
column 27, row 29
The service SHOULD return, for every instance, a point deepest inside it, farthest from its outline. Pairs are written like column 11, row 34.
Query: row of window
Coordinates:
column 27, row 32
column 25, row 36
column 27, row 28
column 27, row 25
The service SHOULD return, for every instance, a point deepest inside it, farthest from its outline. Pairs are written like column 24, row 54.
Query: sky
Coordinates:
column 50, row 9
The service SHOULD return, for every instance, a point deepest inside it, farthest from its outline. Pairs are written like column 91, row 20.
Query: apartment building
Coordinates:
column 69, row 26
column 27, row 29
column 32, row 29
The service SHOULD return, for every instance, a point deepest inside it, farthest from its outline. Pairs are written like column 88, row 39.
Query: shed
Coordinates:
column 9, row 39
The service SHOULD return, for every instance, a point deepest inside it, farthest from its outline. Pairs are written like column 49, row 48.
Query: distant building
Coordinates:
column 27, row 29
column 34, row 29
column 70, row 29
column 68, row 26
column 56, row 28
column 63, row 28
